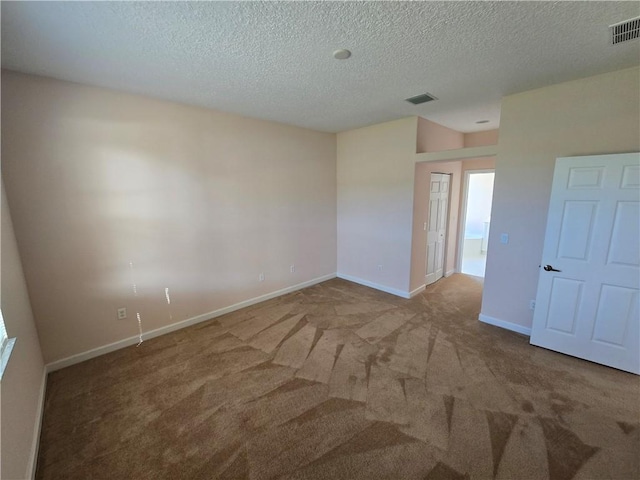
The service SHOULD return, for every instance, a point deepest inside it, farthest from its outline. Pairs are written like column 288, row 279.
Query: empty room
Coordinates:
column 320, row 240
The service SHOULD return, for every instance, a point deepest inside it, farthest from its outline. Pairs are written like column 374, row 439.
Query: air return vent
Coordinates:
column 424, row 98
column 625, row 31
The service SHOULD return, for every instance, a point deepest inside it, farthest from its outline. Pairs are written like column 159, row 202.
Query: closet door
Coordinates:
column 437, row 226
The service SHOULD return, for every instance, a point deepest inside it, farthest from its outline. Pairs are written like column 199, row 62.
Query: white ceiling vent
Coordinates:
column 625, row 31
column 423, row 98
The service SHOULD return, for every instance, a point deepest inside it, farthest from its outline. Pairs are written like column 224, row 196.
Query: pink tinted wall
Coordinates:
column 481, row 163
column 421, row 215
column 108, row 190
column 481, row 139
column 433, row 137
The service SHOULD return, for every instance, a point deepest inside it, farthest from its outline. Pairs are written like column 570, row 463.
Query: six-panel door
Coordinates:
column 590, row 307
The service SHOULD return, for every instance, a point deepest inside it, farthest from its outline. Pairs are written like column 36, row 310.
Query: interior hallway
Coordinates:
column 340, row 381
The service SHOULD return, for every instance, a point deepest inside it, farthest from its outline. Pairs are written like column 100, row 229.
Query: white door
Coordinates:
column 437, row 226
column 588, row 303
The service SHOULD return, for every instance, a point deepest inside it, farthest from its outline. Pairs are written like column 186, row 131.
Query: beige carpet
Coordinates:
column 339, row 381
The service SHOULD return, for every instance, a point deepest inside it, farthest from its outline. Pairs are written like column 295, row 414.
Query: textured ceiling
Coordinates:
column 273, row 60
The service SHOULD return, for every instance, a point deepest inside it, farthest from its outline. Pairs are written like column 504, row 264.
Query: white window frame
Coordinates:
column 6, row 346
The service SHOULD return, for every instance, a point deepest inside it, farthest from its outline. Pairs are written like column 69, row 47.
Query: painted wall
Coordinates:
column 375, row 202
column 108, row 190
column 421, row 215
column 23, row 378
column 595, row 115
column 481, row 139
column 481, row 163
column 433, row 137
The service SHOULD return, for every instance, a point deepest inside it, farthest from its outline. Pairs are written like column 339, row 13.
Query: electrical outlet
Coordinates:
column 532, row 304
column 122, row 313
column 292, row 269
column 261, row 277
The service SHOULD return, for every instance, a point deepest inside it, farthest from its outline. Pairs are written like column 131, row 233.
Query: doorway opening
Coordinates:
column 478, row 196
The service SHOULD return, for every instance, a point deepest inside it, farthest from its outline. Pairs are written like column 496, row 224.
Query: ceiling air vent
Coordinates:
column 625, row 31
column 424, row 98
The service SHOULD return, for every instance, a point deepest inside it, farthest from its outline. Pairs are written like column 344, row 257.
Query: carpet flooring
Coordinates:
column 339, row 381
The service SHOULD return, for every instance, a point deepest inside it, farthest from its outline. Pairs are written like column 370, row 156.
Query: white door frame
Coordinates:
column 463, row 217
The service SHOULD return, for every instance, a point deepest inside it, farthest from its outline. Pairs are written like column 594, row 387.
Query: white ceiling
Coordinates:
column 273, row 60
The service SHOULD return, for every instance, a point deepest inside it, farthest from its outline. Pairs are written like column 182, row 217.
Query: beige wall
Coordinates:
column 23, row 379
column 481, row 139
column 433, row 137
column 595, row 115
column 421, row 215
column 375, row 202
column 198, row 201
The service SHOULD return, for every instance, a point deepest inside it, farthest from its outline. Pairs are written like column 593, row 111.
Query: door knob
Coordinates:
column 549, row 268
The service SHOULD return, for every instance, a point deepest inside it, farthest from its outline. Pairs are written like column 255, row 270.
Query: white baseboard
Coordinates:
column 37, row 427
column 450, row 272
column 81, row 357
column 418, row 290
column 367, row 283
column 514, row 327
